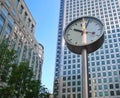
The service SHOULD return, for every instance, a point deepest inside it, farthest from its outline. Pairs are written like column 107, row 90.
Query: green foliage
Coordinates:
column 17, row 81
column 7, row 57
column 44, row 93
column 21, row 80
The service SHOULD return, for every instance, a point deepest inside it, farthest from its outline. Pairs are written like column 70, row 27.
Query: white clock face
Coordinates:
column 74, row 32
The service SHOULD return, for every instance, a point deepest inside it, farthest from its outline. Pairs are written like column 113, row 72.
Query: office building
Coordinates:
column 104, row 64
column 17, row 26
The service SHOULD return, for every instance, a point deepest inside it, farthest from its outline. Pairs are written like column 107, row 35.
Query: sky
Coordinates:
column 46, row 15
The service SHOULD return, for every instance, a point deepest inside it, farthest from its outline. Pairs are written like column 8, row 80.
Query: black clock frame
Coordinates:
column 91, row 47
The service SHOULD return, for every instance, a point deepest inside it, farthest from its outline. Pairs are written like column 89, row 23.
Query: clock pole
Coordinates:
column 84, row 63
column 75, row 45
column 84, row 74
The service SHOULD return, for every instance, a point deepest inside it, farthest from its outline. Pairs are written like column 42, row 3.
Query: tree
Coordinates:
column 7, row 57
column 21, row 80
column 15, row 80
column 44, row 93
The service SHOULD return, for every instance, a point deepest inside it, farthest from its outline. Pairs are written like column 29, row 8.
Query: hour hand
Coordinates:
column 78, row 30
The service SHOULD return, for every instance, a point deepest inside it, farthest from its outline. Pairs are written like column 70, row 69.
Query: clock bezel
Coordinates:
column 91, row 47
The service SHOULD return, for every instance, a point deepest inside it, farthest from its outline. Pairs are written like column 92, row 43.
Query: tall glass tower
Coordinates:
column 104, row 64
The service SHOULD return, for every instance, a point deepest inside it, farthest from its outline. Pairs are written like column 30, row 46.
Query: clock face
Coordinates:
column 83, row 31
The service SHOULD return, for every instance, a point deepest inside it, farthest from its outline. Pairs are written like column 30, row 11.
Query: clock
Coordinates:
column 86, row 32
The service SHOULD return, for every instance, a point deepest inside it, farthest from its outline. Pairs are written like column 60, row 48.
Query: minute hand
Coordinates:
column 87, row 23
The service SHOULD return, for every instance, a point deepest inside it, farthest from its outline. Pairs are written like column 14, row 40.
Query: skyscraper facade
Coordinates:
column 103, row 64
column 17, row 27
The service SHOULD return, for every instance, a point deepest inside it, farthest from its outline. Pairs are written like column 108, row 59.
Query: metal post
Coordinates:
column 84, row 74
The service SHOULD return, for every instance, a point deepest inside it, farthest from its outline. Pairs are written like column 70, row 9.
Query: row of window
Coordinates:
column 105, row 93
column 94, row 94
column 92, row 68
column 21, row 11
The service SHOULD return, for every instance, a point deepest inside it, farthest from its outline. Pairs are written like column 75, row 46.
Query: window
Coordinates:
column 116, row 85
column 73, row 83
column 103, row 68
column 98, row 68
column 111, row 86
column 7, row 3
column 114, row 67
column 116, row 79
column 64, row 84
column 78, row 95
column 68, row 89
column 63, row 90
column 93, row 69
column 104, row 73
column 2, row 21
column 109, row 73
column 8, row 29
column 78, row 65
column 112, row 93
column 118, row 60
column 78, row 71
column 25, row 16
column 4, row 12
column 106, row 93
column 21, row 9
column 74, row 96
column 69, row 72
column 100, row 94
column 73, row 72
column 118, row 92
column 16, row 2
column 69, row 83
column 100, row 87
column 78, row 76
column 78, row 82
column 99, row 74
column 64, row 78
column 110, row 80
column 109, row 67
column 94, row 75
column 105, row 87
column 105, row 80
column 63, row 96
column 99, row 81
column 115, row 72
column 73, row 77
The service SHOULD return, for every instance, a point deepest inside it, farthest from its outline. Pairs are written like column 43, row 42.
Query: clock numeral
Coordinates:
column 68, row 34
column 75, row 42
column 81, row 25
column 76, row 24
column 69, row 29
column 70, row 40
column 100, row 29
column 97, row 35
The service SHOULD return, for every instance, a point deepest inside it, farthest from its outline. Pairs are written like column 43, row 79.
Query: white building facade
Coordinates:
column 18, row 26
column 104, row 64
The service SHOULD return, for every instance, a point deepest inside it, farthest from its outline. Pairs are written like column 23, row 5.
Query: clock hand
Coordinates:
column 91, row 33
column 87, row 23
column 78, row 30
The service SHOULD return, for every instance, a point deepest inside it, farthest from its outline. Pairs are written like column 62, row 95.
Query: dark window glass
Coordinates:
column 111, row 86
column 118, row 92
column 112, row 93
